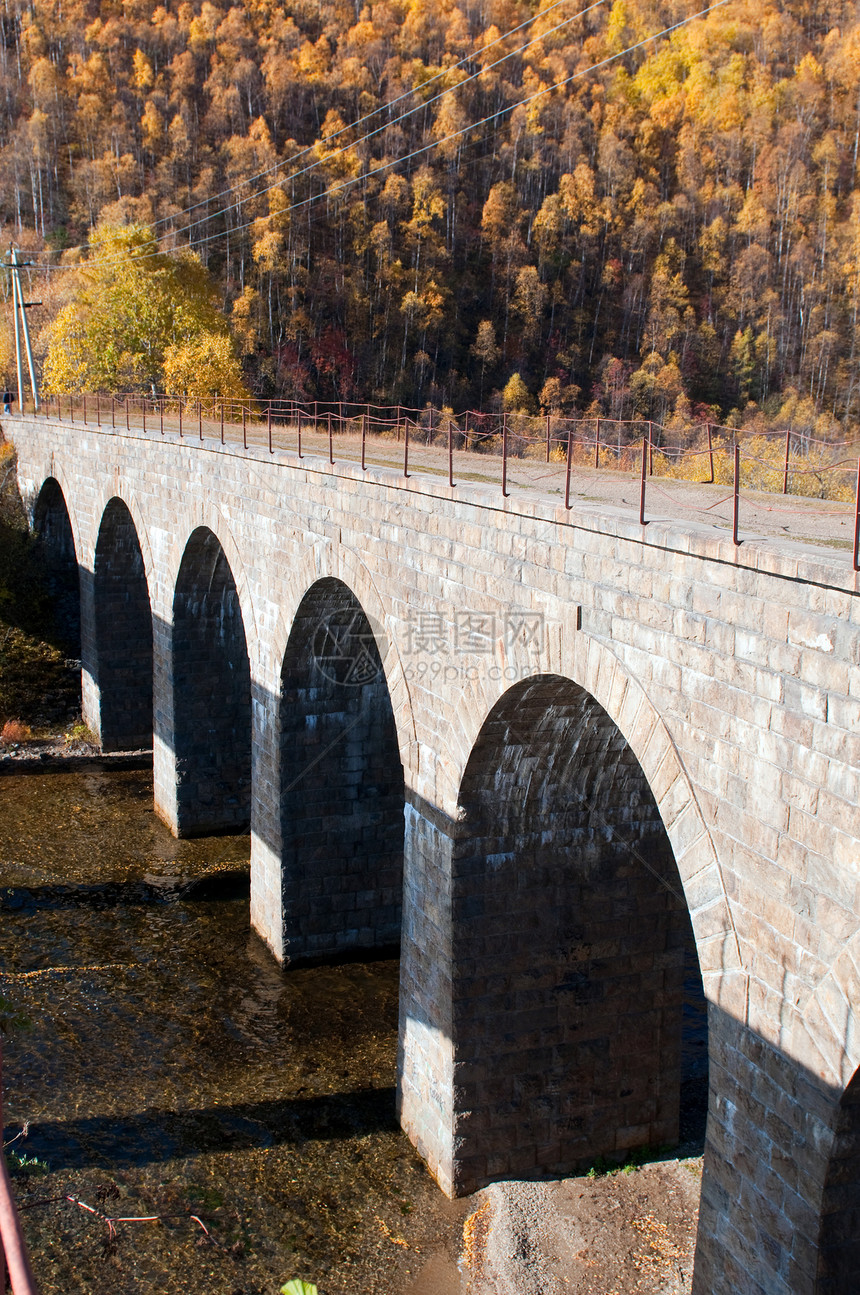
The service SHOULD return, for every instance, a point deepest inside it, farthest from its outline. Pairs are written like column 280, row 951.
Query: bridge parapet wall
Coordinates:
column 734, row 675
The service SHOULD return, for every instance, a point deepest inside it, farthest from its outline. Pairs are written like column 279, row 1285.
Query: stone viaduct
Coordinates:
column 549, row 754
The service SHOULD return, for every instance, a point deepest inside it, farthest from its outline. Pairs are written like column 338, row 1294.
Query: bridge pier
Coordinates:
column 780, row 1188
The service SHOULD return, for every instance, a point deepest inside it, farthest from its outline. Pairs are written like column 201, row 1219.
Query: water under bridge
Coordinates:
column 544, row 752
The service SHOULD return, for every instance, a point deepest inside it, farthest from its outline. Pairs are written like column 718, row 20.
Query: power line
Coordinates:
column 418, row 152
column 444, row 73
column 465, row 130
column 387, row 125
column 438, row 76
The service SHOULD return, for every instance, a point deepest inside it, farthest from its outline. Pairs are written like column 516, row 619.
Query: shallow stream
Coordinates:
column 168, row 1067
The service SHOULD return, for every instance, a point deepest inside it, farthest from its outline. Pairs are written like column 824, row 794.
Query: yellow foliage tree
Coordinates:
column 203, row 367
column 130, row 304
column 517, row 397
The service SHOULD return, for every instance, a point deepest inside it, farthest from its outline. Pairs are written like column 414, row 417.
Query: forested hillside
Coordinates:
column 399, row 201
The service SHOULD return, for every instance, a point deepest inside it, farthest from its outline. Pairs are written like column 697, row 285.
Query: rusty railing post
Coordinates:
column 710, row 454
column 785, row 464
column 450, row 454
column 642, row 479
column 504, row 455
column 180, row 416
column 330, row 441
column 597, row 444
column 85, row 408
column 143, row 409
column 13, row 1248
column 71, row 408
column 269, row 425
column 244, row 426
column 222, row 422
column 161, row 414
column 547, row 437
column 127, row 422
column 112, row 411
column 737, row 491
column 299, row 426
column 200, row 419
column 650, row 448
column 406, row 447
column 363, row 440
column 568, row 466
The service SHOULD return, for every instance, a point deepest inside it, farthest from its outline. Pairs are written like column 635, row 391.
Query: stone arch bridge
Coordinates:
column 558, row 757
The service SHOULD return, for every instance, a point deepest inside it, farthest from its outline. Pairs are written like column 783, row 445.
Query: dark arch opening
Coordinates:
column 839, row 1241
column 572, row 942
column 57, row 548
column 211, row 694
column 123, row 625
column 341, row 784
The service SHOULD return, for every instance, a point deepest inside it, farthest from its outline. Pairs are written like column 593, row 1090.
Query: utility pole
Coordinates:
column 18, row 301
column 17, row 337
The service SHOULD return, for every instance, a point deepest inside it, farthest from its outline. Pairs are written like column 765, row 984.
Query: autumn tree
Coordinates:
column 135, row 316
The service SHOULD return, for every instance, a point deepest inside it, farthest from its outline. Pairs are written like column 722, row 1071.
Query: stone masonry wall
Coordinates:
column 732, row 674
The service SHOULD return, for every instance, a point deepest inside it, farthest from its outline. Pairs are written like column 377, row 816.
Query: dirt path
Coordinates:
column 625, row 1233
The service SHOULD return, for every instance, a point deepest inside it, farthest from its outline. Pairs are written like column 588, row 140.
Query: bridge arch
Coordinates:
column 569, row 933
column 123, row 658
column 60, row 543
column 211, row 689
column 341, row 781
column 600, row 674
column 215, row 520
column 327, row 561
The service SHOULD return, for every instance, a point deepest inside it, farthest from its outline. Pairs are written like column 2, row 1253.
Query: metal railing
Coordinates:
column 13, row 1248
column 345, row 431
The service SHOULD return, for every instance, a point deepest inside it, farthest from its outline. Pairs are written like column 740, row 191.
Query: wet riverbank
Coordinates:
column 170, row 1068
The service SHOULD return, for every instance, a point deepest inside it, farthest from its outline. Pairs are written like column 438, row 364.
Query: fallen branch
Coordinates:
column 112, row 1219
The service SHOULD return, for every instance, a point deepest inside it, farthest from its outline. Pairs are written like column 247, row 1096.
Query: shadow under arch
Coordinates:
column 326, row 560
column 123, row 632
column 570, row 935
column 342, row 787
column 53, row 528
column 839, row 1239
column 211, row 693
